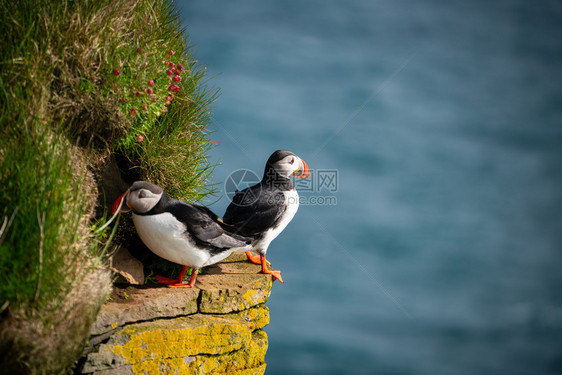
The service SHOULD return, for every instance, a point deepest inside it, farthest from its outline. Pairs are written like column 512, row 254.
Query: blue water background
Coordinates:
column 443, row 120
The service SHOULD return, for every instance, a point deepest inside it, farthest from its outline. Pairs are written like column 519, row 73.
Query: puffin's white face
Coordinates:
column 291, row 165
column 142, row 200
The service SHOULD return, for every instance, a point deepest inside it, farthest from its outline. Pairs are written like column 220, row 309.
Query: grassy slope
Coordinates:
column 78, row 82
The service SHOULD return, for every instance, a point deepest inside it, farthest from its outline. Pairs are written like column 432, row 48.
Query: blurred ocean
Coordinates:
column 439, row 125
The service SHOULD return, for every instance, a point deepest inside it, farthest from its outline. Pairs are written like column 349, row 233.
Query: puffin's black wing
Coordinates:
column 204, row 226
column 252, row 211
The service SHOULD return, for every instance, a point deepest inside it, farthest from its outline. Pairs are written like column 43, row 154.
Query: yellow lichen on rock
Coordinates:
column 180, row 337
column 248, row 360
column 249, row 298
column 256, row 318
column 251, row 290
column 195, row 344
column 215, row 328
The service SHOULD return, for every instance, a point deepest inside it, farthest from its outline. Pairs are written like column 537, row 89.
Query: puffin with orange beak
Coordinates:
column 261, row 212
column 183, row 233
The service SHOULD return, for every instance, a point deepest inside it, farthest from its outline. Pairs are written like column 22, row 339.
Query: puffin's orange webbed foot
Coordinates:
column 178, row 283
column 165, row 280
column 276, row 275
column 255, row 258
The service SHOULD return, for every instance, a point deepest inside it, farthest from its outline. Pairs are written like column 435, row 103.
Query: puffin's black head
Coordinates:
column 138, row 185
column 284, row 164
column 141, row 197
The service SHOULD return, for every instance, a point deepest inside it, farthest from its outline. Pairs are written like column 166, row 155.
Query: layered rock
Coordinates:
column 213, row 328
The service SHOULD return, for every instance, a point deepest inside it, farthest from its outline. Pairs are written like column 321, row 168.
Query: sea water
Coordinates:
column 429, row 239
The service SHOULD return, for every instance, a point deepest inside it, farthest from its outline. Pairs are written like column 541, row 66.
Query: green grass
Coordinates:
column 39, row 183
column 172, row 124
column 62, row 115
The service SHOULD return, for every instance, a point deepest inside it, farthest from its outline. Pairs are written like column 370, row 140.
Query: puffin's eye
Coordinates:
column 292, row 161
column 141, row 194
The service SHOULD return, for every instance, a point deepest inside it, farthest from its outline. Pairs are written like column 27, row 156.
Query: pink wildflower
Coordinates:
column 133, row 112
column 151, row 83
column 180, row 67
column 149, row 91
column 165, row 110
column 138, row 94
column 169, row 72
column 140, row 138
column 144, row 107
column 139, row 50
column 177, row 79
column 171, row 52
column 116, row 72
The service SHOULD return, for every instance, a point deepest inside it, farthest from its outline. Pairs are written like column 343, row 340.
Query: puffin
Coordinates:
column 262, row 211
column 183, row 233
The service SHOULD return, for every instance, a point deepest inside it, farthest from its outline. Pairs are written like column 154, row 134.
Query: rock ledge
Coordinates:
column 213, row 328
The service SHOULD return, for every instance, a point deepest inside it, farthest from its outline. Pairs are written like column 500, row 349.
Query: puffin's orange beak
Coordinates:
column 118, row 203
column 303, row 171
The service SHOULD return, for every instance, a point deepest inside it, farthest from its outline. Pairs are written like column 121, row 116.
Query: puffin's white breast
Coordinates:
column 292, row 202
column 165, row 236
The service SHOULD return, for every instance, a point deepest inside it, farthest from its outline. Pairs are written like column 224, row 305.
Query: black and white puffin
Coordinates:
column 183, row 233
column 262, row 211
